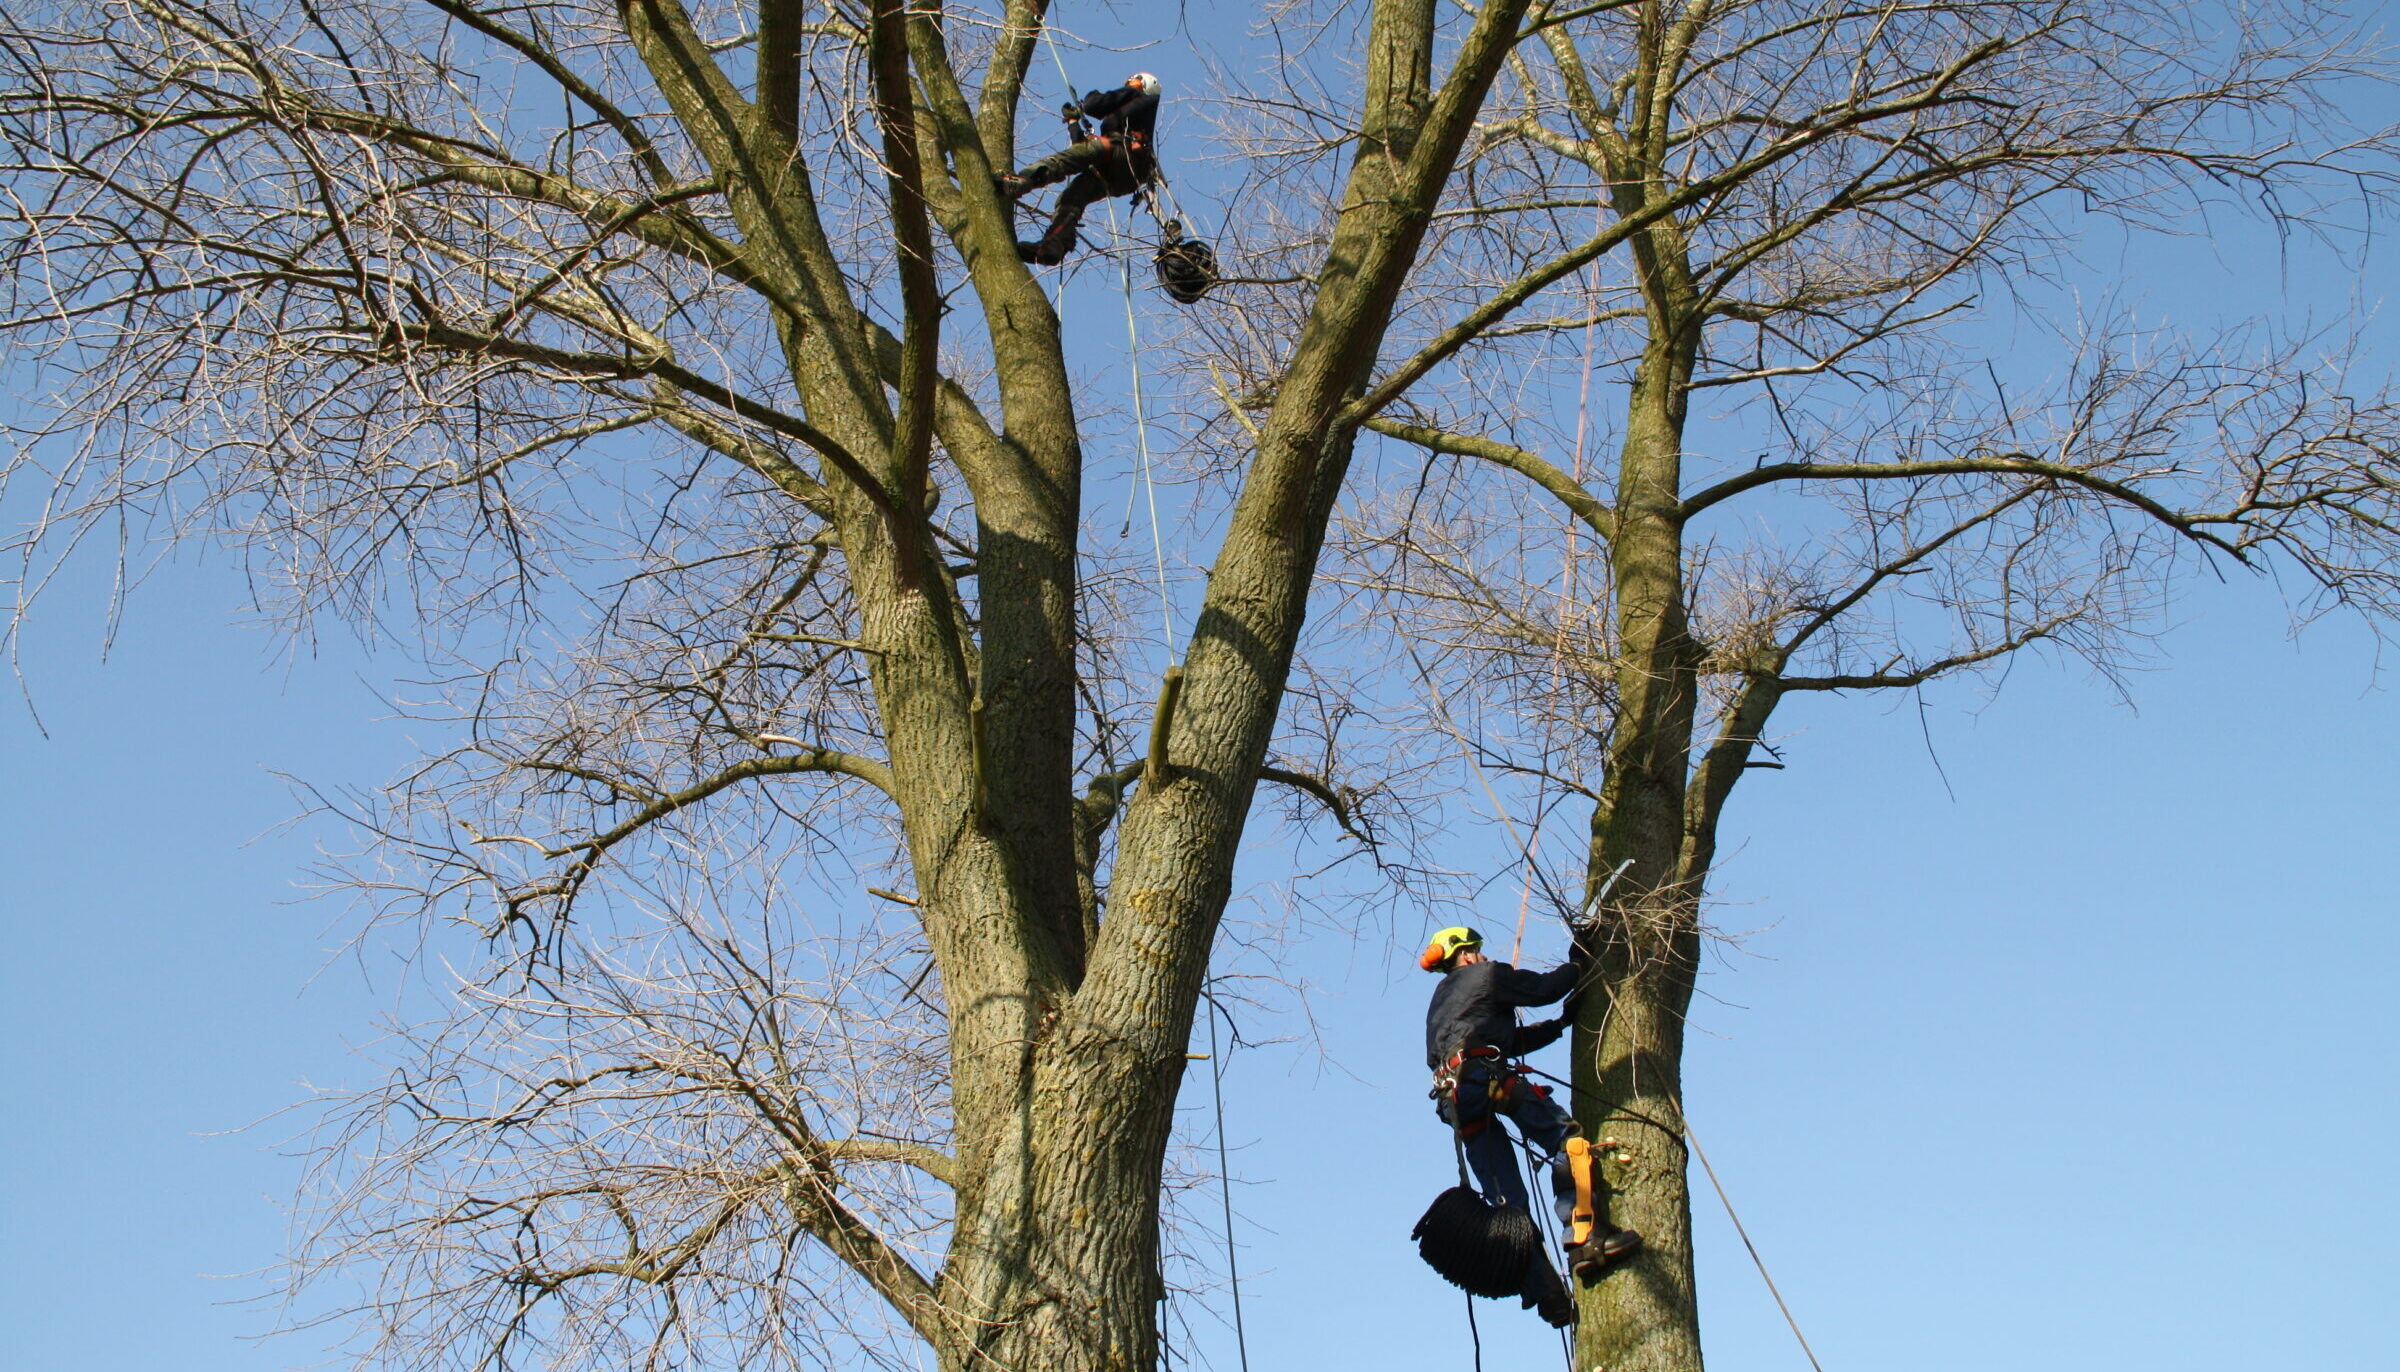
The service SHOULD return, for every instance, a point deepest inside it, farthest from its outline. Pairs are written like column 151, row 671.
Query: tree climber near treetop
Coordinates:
column 1119, row 161
column 1472, row 1039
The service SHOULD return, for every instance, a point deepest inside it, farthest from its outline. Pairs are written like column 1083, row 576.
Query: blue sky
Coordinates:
column 2083, row 1056
column 2092, row 1064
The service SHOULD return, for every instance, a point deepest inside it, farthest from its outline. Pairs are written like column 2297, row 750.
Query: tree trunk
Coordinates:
column 1055, row 1261
column 1629, row 1036
column 1641, row 1317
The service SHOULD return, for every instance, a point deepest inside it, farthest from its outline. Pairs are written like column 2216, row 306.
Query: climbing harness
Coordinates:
column 1476, row 1084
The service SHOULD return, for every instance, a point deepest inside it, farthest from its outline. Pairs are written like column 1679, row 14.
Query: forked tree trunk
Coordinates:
column 1065, row 1093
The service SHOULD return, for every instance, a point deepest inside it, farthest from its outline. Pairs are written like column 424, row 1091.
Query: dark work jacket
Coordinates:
column 1478, row 1006
column 1123, row 110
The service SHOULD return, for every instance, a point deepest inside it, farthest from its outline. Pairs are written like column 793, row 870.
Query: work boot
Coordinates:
column 1591, row 1259
column 1547, row 1296
column 1050, row 251
column 1557, row 1309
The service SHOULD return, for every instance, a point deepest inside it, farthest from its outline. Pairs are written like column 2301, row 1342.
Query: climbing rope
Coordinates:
column 1755, row 1259
column 1690, row 1142
column 1233, row 1272
column 1545, row 1223
column 1441, row 710
column 1141, row 437
column 1473, row 1332
column 1148, row 488
column 1146, row 485
column 1570, row 563
column 1162, row 193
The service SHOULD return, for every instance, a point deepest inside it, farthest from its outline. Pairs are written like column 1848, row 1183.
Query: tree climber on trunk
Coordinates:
column 1471, row 1040
column 1119, row 161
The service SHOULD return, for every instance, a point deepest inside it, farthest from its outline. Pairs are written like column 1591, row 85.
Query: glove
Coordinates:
column 1070, row 111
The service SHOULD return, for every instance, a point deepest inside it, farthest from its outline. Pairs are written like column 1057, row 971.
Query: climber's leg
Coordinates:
column 1058, row 166
column 1059, row 239
column 1539, row 1116
column 1548, row 1128
column 1593, row 1244
column 1546, row 1293
column 1493, row 1158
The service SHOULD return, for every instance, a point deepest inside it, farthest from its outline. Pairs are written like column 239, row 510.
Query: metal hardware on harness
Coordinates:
column 1500, row 1087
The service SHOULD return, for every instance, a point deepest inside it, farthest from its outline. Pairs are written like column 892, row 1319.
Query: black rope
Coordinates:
column 1233, row 1271
column 1474, row 1333
column 1545, row 1220
column 1611, row 1109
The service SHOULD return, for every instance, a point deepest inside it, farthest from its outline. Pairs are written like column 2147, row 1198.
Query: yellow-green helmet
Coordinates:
column 1448, row 944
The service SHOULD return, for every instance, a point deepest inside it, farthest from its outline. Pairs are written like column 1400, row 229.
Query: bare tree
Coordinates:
column 603, row 344
column 1779, row 235
column 668, row 374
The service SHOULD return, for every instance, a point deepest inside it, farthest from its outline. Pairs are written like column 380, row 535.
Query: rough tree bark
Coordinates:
column 323, row 267
column 1066, row 1022
column 1796, row 196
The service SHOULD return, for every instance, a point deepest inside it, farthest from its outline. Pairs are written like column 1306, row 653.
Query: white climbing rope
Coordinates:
column 1146, row 481
column 1147, row 487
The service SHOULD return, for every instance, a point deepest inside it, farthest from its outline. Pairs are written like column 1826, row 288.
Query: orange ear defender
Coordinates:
column 1448, row 944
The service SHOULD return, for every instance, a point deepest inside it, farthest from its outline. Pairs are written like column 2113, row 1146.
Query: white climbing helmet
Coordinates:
column 1144, row 80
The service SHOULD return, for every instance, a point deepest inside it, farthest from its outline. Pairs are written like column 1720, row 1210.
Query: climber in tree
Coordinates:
column 1472, row 1041
column 1118, row 161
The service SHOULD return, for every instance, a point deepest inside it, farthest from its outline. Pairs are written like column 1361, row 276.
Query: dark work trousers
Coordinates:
column 1493, row 1157
column 1101, row 169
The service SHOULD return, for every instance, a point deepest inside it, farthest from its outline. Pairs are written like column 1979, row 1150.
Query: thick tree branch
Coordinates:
column 1739, row 729
column 1335, row 800
column 1004, row 75
column 1569, row 492
column 816, row 1208
column 932, row 1161
column 920, row 292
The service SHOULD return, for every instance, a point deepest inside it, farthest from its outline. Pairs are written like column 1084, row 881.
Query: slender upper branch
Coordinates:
column 828, row 760
column 2188, row 525
column 637, row 141
column 662, row 368
column 1335, row 800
